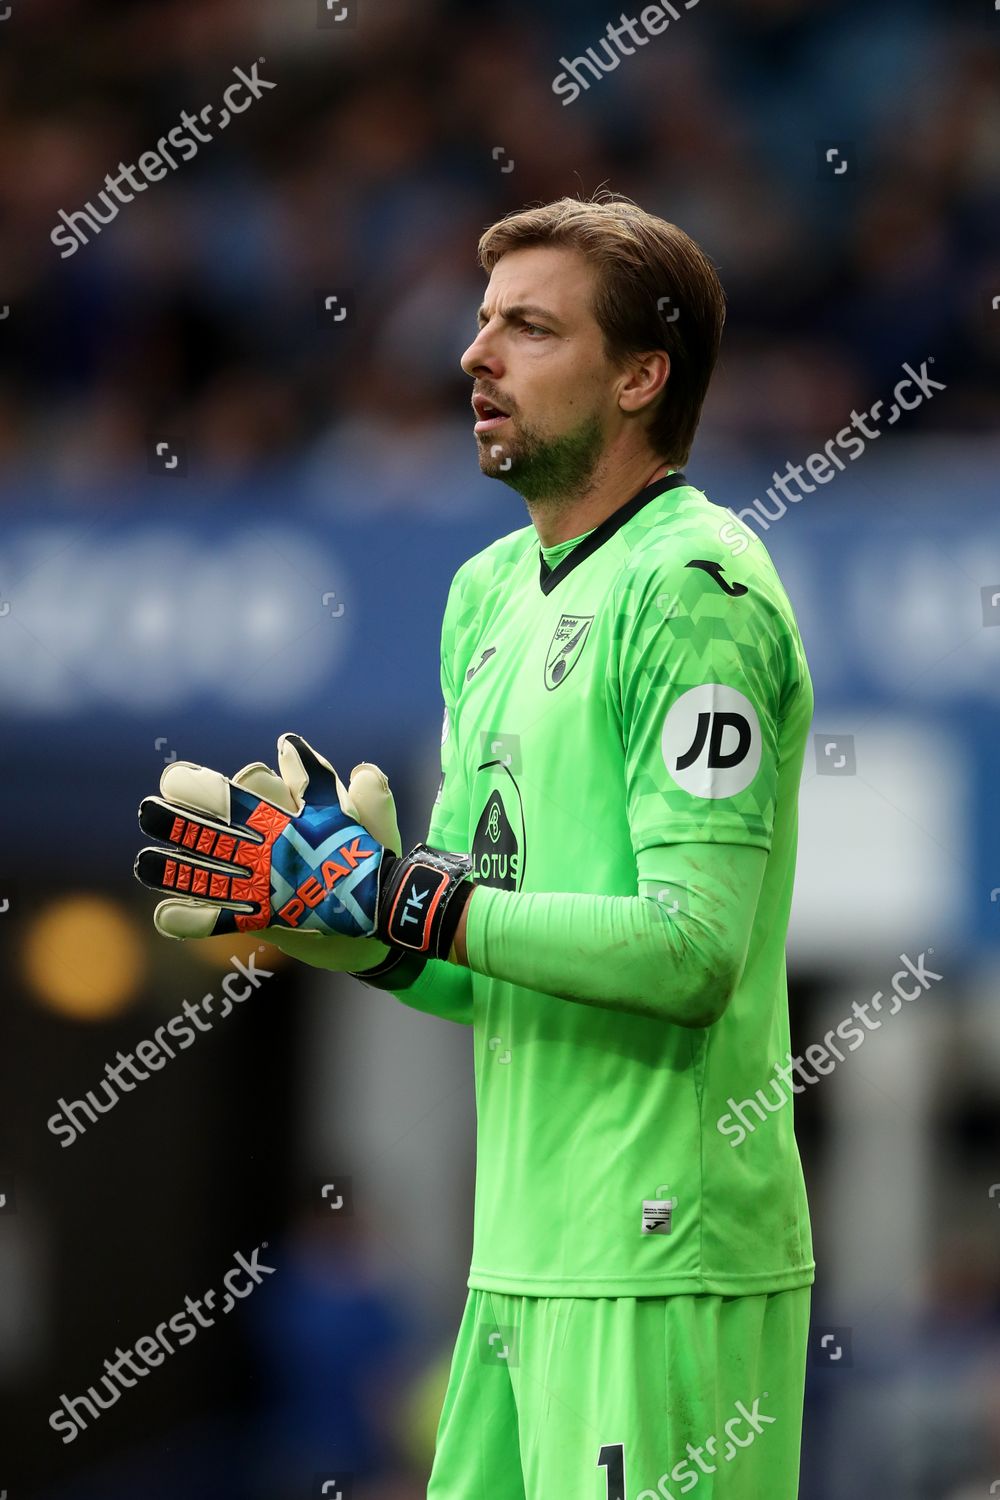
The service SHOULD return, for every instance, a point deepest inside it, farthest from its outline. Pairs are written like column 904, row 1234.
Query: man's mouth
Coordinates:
column 490, row 415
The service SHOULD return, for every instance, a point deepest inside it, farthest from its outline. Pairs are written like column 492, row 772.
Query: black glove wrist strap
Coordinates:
column 421, row 900
column 396, row 972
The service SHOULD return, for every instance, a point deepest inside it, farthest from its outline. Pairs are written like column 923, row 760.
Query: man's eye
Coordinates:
column 534, row 328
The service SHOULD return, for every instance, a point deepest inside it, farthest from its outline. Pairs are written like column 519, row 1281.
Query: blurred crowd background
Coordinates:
column 229, row 512
column 370, row 168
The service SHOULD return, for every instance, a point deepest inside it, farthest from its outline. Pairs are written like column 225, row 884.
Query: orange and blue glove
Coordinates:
column 294, row 852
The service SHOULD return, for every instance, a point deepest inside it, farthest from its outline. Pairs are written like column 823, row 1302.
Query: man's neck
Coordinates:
column 559, row 521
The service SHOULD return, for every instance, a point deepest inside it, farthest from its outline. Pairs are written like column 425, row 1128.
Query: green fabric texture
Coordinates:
column 554, row 555
column 635, row 730
column 670, row 965
column 647, row 1397
column 442, row 989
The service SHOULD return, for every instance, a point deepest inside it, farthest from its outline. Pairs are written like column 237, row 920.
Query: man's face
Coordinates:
column 539, row 358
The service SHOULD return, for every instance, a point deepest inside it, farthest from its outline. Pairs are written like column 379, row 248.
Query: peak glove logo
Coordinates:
column 711, row 741
column 565, row 648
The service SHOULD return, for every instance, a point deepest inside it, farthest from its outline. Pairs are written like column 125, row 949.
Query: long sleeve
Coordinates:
column 674, row 952
column 440, row 989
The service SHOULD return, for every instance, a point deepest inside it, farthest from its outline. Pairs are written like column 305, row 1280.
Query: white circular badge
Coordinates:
column 711, row 741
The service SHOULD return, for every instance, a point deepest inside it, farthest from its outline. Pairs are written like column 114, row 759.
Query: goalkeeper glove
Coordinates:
column 367, row 798
column 261, row 851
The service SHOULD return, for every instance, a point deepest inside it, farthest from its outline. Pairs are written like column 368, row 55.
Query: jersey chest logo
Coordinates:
column 498, row 845
column 566, row 648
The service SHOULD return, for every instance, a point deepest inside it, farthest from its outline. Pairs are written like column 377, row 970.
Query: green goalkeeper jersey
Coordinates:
column 635, row 688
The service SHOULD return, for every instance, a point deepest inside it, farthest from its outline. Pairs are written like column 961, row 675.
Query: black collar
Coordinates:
column 550, row 577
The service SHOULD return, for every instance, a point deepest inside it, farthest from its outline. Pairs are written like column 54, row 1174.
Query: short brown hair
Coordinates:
column 647, row 269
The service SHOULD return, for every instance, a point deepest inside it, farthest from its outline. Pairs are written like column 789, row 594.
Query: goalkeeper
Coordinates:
column 605, row 886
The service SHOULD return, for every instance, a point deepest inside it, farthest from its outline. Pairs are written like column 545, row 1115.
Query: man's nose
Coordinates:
column 481, row 356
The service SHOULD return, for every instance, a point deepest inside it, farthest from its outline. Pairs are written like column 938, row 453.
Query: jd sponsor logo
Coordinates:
column 711, row 741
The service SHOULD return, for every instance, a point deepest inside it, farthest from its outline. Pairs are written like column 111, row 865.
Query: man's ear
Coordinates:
column 643, row 379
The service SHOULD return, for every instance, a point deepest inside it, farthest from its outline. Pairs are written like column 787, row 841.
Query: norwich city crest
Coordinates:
column 565, row 647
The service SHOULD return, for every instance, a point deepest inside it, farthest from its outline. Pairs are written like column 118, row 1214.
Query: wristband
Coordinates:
column 397, row 971
column 421, row 899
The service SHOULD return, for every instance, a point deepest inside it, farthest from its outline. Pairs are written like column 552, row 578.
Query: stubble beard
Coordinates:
column 550, row 473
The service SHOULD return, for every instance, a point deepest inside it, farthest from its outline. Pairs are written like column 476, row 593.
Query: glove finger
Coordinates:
column 213, row 843
column 370, row 800
column 211, row 799
column 180, row 919
column 304, row 768
column 261, row 781
column 198, row 788
column 161, row 870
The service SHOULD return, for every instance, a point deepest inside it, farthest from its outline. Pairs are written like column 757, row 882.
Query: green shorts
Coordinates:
column 624, row 1398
